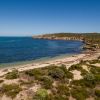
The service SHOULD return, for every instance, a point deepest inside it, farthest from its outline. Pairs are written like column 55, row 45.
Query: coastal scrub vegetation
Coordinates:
column 79, row 93
column 12, row 75
column 55, row 82
column 46, row 82
column 11, row 90
column 41, row 94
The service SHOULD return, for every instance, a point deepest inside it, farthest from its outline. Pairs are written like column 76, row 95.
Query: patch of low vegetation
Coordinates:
column 84, row 72
column 46, row 82
column 68, row 74
column 60, row 73
column 79, row 93
column 58, row 97
column 12, row 75
column 77, row 83
column 75, row 67
column 94, row 61
column 57, row 73
column 96, row 72
column 97, row 78
column 62, row 89
column 36, row 73
column 26, row 82
column 88, row 81
column 41, row 94
column 11, row 90
column 97, row 93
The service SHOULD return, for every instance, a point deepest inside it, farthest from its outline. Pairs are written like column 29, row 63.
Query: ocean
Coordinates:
column 20, row 49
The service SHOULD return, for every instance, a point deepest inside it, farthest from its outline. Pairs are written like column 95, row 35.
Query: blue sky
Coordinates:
column 28, row 17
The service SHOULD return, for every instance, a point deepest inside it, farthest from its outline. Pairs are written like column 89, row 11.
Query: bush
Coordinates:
column 89, row 77
column 75, row 67
column 67, row 73
column 57, row 73
column 47, row 82
column 11, row 90
column 12, row 75
column 95, row 70
column 83, row 72
column 41, row 94
column 62, row 89
column 89, row 80
column 97, row 93
column 97, row 78
column 37, row 73
column 79, row 93
column 78, row 82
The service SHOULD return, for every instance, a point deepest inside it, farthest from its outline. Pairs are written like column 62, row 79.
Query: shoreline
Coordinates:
column 39, row 60
column 67, row 60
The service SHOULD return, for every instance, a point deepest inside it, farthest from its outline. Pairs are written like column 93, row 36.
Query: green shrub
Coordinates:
column 95, row 70
column 37, row 73
column 84, row 72
column 12, row 75
column 78, row 82
column 11, row 90
column 97, row 93
column 90, row 84
column 97, row 78
column 89, row 77
column 86, row 82
column 47, row 82
column 68, row 74
column 62, row 89
column 89, row 80
column 79, row 93
column 75, row 67
column 41, row 94
column 57, row 73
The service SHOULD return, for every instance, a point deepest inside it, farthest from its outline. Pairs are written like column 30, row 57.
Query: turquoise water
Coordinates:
column 21, row 49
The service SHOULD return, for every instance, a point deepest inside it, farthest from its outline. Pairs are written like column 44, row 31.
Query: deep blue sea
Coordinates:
column 17, row 49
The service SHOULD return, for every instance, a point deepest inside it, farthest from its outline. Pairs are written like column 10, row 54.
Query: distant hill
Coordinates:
column 91, row 39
